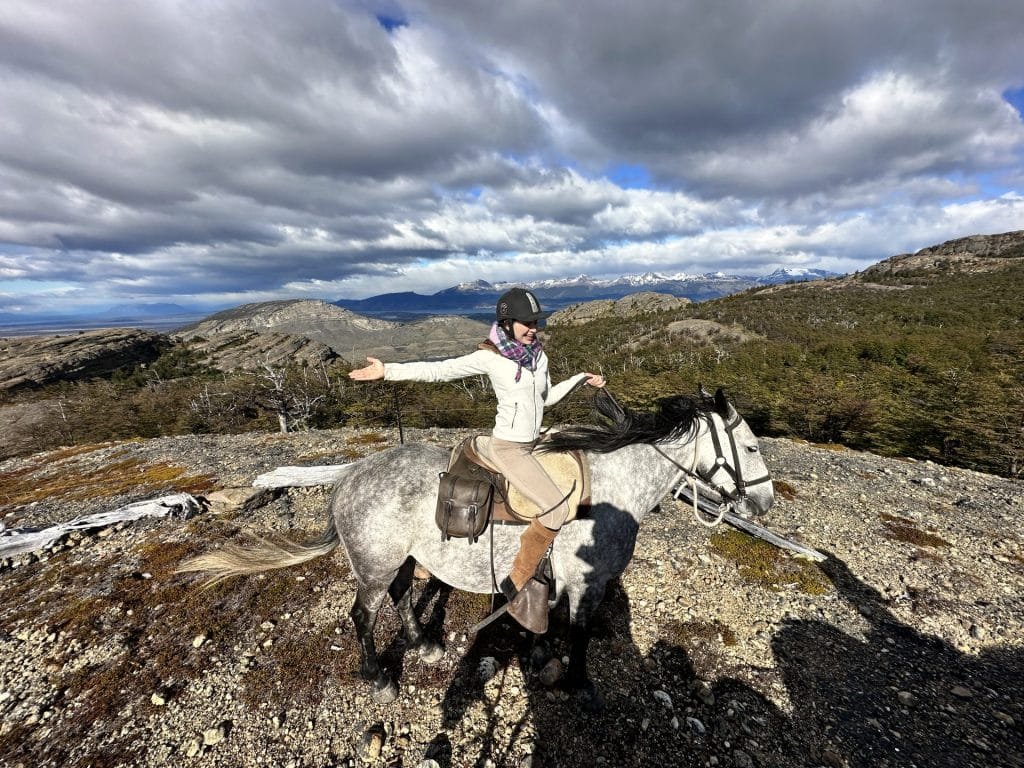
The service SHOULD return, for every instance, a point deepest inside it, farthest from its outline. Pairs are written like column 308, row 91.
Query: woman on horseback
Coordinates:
column 513, row 359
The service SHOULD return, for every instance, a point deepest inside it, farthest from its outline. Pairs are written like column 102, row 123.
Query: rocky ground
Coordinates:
column 905, row 649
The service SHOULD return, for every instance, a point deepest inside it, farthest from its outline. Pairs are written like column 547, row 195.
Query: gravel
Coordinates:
column 904, row 649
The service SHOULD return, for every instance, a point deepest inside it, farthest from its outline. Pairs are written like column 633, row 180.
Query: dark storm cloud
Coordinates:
column 700, row 92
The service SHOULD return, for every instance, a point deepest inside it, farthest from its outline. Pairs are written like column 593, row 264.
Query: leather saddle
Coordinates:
column 570, row 472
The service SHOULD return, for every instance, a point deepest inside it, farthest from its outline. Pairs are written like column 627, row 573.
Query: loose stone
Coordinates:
column 1004, row 718
column 663, row 698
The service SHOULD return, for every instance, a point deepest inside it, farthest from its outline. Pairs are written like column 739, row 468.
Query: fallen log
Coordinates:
column 301, row 477
column 17, row 541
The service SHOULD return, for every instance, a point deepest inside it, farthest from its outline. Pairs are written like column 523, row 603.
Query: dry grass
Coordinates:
column 135, row 603
column 65, row 476
column 367, row 438
column 784, row 489
column 906, row 530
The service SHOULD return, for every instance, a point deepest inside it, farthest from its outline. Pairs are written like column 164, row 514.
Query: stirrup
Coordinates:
column 529, row 605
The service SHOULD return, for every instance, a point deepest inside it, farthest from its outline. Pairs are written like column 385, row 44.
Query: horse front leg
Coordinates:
column 400, row 590
column 581, row 610
column 364, row 617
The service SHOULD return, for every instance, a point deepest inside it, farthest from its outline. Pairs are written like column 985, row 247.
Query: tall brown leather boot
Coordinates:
column 527, row 596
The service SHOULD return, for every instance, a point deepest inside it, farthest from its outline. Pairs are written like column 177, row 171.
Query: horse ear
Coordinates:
column 722, row 405
column 703, row 394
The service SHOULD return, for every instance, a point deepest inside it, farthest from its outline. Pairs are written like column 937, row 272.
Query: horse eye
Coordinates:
column 752, row 448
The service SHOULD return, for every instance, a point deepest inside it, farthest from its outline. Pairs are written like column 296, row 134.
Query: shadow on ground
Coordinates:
column 897, row 697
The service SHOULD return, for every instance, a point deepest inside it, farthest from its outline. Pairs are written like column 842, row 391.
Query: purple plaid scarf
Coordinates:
column 519, row 353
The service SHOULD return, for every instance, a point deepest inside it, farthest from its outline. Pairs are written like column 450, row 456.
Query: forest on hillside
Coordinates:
column 930, row 367
column 932, row 371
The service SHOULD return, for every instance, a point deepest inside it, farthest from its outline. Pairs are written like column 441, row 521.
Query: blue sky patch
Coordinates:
column 1015, row 97
column 630, row 176
column 391, row 23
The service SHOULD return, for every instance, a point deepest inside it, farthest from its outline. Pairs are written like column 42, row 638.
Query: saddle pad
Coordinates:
column 567, row 470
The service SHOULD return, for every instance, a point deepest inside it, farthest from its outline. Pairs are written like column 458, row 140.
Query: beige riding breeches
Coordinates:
column 521, row 468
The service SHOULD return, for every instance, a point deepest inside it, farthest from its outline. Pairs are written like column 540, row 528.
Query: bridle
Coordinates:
column 703, row 485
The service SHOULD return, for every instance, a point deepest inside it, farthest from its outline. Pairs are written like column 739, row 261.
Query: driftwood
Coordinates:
column 17, row 541
column 301, row 477
column 727, row 516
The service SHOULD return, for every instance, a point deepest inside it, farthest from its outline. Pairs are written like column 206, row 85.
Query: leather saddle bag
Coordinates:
column 463, row 506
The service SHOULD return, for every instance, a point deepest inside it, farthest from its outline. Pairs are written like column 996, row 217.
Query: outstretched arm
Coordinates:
column 373, row 371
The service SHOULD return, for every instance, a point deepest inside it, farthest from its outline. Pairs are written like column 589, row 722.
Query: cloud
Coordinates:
column 227, row 149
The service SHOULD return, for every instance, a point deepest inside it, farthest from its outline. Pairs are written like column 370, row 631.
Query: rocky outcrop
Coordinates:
column 298, row 317
column 32, row 361
column 245, row 350
column 977, row 253
column 351, row 336
column 709, row 332
column 628, row 306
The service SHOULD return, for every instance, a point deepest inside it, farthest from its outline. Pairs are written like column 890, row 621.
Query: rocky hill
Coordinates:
column 628, row 306
column 243, row 337
column 904, row 649
column 349, row 335
column 32, row 361
column 247, row 349
column 978, row 253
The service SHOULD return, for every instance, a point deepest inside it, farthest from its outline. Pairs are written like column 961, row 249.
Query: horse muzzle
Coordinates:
column 754, row 503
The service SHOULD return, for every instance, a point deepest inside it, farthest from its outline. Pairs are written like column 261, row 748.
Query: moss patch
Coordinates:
column 702, row 644
column 63, row 475
column 768, row 566
column 367, row 438
column 904, row 529
column 686, row 633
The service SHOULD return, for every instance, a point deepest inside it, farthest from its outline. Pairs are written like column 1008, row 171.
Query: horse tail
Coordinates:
column 267, row 554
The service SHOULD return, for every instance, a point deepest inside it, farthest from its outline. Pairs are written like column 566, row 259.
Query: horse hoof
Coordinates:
column 384, row 692
column 431, row 653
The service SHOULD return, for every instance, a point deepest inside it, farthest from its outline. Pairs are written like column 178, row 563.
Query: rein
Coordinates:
column 689, row 476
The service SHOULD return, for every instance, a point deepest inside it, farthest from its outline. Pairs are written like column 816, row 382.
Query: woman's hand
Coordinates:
column 375, row 370
column 594, row 380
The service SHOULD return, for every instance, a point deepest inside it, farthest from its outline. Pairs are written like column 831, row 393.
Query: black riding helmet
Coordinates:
column 519, row 304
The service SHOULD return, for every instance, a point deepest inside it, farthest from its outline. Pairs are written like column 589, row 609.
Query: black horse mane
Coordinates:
column 674, row 417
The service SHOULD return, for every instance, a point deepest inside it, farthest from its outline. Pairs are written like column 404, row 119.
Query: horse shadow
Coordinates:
column 899, row 697
column 892, row 697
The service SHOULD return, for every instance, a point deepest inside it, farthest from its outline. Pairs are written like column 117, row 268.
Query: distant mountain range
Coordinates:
column 477, row 298
column 473, row 300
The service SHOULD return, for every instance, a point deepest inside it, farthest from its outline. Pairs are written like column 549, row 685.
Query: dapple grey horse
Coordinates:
column 382, row 512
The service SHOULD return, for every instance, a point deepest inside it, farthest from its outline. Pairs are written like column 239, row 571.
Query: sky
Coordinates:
column 214, row 153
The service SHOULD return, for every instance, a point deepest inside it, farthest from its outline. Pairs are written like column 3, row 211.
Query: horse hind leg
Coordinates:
column 364, row 616
column 400, row 590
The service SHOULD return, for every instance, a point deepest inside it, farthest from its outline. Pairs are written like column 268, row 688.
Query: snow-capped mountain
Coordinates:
column 476, row 298
column 795, row 275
